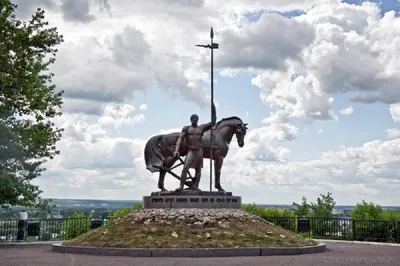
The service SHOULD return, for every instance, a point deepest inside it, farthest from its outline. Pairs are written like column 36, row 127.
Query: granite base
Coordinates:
column 192, row 199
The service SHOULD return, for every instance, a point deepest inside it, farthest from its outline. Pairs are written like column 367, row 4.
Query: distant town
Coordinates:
column 64, row 208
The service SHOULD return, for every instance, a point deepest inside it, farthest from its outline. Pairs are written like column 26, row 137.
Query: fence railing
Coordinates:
column 341, row 229
column 49, row 229
column 312, row 227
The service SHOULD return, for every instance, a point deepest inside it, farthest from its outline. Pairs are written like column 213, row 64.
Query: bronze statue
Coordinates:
column 159, row 150
column 192, row 135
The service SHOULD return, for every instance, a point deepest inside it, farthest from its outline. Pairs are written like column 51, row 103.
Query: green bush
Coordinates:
column 267, row 212
column 389, row 215
column 125, row 211
column 138, row 206
column 283, row 218
column 121, row 213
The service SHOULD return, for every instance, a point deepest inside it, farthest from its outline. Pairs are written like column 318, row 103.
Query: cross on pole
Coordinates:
column 211, row 46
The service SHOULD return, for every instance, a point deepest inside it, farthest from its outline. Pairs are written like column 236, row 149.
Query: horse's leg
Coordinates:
column 168, row 163
column 217, row 168
column 161, row 179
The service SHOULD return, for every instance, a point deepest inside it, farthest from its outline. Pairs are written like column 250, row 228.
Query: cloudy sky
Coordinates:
column 317, row 82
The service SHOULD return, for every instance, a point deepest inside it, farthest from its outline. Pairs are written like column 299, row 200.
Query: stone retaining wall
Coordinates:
column 190, row 252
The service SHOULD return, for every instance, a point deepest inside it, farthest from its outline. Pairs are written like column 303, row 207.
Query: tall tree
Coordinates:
column 324, row 206
column 366, row 210
column 302, row 209
column 28, row 102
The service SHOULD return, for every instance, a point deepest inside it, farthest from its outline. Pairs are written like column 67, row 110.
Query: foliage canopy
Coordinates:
column 28, row 102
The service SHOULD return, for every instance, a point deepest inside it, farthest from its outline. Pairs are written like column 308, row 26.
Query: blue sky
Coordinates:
column 385, row 5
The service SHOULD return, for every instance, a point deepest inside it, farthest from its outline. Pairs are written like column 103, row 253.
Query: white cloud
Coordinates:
column 320, row 131
column 120, row 115
column 143, row 107
column 170, row 130
column 228, row 72
column 364, row 171
column 260, row 45
column 261, row 152
column 347, row 111
column 393, row 133
column 112, row 59
column 346, row 37
column 273, row 132
column 93, row 162
column 71, row 105
column 395, row 112
column 342, row 46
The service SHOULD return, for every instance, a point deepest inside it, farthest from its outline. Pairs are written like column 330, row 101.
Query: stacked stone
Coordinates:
column 192, row 217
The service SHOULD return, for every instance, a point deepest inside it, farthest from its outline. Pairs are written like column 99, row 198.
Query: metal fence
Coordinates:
column 312, row 227
column 341, row 229
column 49, row 229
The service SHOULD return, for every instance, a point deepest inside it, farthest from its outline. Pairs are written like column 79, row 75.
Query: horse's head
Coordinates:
column 241, row 130
column 230, row 126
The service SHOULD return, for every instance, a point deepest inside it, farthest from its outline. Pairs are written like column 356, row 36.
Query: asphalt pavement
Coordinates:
column 336, row 254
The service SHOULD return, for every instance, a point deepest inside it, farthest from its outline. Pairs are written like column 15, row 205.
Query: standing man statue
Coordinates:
column 192, row 135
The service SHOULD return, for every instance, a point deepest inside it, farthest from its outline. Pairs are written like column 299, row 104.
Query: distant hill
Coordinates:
column 85, row 203
column 119, row 204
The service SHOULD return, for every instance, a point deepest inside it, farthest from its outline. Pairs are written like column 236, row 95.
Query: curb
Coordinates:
column 357, row 242
column 28, row 244
column 190, row 252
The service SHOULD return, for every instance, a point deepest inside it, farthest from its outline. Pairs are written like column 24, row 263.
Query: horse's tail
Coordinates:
column 153, row 154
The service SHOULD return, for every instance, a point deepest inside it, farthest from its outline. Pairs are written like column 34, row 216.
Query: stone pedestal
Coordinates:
column 192, row 199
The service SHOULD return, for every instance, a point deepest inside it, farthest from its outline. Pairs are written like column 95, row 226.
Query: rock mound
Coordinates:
column 190, row 228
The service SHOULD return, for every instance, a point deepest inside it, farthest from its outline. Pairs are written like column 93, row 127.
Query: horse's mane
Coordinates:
column 228, row 119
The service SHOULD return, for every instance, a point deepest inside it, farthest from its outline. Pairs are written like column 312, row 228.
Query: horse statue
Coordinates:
column 159, row 149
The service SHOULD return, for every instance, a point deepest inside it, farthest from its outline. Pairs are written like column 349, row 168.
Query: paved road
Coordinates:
column 336, row 254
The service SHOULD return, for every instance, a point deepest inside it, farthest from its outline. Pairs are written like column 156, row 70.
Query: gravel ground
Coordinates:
column 336, row 254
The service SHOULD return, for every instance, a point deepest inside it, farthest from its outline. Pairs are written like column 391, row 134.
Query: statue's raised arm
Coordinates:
column 208, row 126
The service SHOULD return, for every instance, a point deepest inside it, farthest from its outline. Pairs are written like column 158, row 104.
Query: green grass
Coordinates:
column 242, row 232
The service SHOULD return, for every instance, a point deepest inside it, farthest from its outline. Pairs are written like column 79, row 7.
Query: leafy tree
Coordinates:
column 391, row 215
column 365, row 210
column 367, row 230
column 324, row 206
column 369, row 210
column 28, row 102
column 303, row 209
